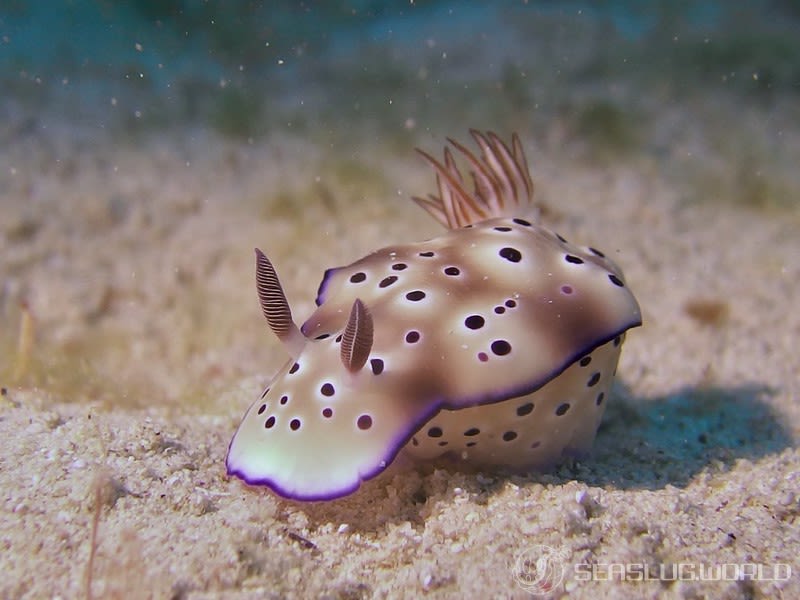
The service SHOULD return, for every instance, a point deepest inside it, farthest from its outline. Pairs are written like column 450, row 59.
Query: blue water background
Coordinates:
column 329, row 63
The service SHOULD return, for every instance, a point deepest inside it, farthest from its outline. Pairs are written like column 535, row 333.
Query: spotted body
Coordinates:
column 496, row 342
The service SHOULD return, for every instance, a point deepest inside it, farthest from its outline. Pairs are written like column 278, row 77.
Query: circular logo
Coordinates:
column 539, row 569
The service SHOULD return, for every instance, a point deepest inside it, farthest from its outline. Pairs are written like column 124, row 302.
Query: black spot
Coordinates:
column 474, row 322
column 377, row 366
column 443, row 443
column 472, row 431
column 262, row 408
column 399, row 266
column 575, row 260
column 284, row 399
column 600, row 398
column 499, row 309
column 562, row 409
column 535, row 445
column 415, row 296
column 327, row 389
column 511, row 254
column 509, row 436
column 585, row 361
column 525, row 409
column 566, row 289
column 338, row 338
column 414, row 441
column 269, row 423
column 483, row 357
column 511, row 303
column 502, row 228
column 522, row 222
column 266, row 391
column 364, row 422
column 617, row 341
column 294, row 368
column 387, row 281
column 435, row 432
column 596, row 252
column 294, row 424
column 593, row 380
column 327, row 412
column 562, row 239
column 358, row 277
column 471, row 444
column 322, row 336
column 452, row 271
column 412, row 337
column 616, row 280
column 501, row 347
column 427, row 254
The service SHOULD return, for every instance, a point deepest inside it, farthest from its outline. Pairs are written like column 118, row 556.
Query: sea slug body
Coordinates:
column 496, row 343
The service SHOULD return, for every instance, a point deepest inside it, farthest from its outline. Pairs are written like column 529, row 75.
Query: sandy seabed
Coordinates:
column 135, row 264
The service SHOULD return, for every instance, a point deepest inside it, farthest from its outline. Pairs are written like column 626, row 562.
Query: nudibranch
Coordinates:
column 496, row 343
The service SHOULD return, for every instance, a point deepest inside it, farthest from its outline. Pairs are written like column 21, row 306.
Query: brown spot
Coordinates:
column 708, row 311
